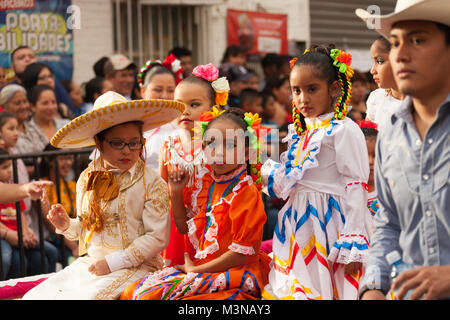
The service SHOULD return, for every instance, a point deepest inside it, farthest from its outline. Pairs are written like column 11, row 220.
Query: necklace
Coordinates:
column 232, row 183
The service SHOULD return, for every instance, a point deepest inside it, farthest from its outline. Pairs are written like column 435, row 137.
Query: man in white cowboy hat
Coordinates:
column 413, row 156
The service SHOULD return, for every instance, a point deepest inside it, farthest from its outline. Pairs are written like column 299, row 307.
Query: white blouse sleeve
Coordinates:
column 353, row 165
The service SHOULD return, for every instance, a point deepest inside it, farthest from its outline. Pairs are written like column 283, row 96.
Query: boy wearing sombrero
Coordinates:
column 413, row 156
column 123, row 218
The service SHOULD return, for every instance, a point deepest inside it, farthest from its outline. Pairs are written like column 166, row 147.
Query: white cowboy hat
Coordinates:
column 428, row 10
column 111, row 109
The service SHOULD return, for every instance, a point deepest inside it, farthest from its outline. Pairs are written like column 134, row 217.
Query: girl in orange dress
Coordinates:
column 199, row 92
column 226, row 225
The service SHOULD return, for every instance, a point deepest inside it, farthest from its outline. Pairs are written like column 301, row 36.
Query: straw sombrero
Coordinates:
column 428, row 10
column 111, row 109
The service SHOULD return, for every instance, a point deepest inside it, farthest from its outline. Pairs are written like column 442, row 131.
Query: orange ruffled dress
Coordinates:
column 227, row 214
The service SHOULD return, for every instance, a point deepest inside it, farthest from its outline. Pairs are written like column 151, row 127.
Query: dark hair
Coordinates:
column 99, row 67
column 446, row 30
column 92, row 87
column 275, row 82
column 270, row 59
column 384, row 43
column 359, row 76
column 231, row 51
column 44, row 166
column 4, row 116
column 4, row 152
column 369, row 132
column 237, row 116
column 318, row 56
column 30, row 76
column 153, row 71
column 67, row 84
column 248, row 94
column 101, row 135
column 17, row 49
column 35, row 93
column 197, row 80
column 180, row 52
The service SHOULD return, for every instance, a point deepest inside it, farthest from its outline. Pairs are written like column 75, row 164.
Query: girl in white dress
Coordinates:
column 383, row 101
column 321, row 238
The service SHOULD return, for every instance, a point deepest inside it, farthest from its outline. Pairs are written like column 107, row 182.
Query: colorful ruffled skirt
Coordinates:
column 307, row 246
column 239, row 283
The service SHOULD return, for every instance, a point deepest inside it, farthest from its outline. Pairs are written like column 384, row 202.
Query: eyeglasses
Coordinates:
column 119, row 144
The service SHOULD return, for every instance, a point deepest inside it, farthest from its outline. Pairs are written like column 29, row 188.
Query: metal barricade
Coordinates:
column 36, row 157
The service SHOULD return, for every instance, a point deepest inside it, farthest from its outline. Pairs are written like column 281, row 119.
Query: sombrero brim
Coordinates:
column 435, row 11
column 80, row 132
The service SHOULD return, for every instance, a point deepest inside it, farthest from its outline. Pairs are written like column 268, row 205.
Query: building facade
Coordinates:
column 148, row 29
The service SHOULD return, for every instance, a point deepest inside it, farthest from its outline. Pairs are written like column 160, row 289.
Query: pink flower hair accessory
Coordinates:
column 208, row 72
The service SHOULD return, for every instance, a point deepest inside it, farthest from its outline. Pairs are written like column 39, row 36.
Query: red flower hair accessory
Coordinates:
column 172, row 63
column 367, row 124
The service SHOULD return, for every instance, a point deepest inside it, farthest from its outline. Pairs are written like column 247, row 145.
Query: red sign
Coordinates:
column 16, row 4
column 257, row 32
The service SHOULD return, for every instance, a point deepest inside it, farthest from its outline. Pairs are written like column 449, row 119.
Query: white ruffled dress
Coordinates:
column 324, row 223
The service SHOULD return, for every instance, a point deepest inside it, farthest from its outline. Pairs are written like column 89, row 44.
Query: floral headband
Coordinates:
column 210, row 73
column 170, row 63
column 253, row 122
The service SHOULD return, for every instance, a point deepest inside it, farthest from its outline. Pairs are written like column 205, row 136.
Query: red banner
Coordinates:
column 257, row 32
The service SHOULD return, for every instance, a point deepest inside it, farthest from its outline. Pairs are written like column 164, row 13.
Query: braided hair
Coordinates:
column 333, row 65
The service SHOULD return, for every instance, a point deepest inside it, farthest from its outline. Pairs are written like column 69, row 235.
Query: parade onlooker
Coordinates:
column 238, row 78
column 75, row 94
column 13, row 98
column 280, row 89
column 250, row 100
column 9, row 236
column 41, row 74
column 120, row 71
column 23, row 56
column 99, row 67
column 412, row 156
column 2, row 78
column 269, row 64
column 358, row 108
column 68, row 194
column 44, row 123
column 185, row 57
column 93, row 89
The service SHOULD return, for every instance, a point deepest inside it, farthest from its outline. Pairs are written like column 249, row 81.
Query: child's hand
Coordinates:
column 29, row 239
column 35, row 189
column 99, row 268
column 58, row 217
column 352, row 267
column 177, row 180
column 188, row 265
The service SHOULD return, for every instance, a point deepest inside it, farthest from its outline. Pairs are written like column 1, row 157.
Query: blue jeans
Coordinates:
column 32, row 260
